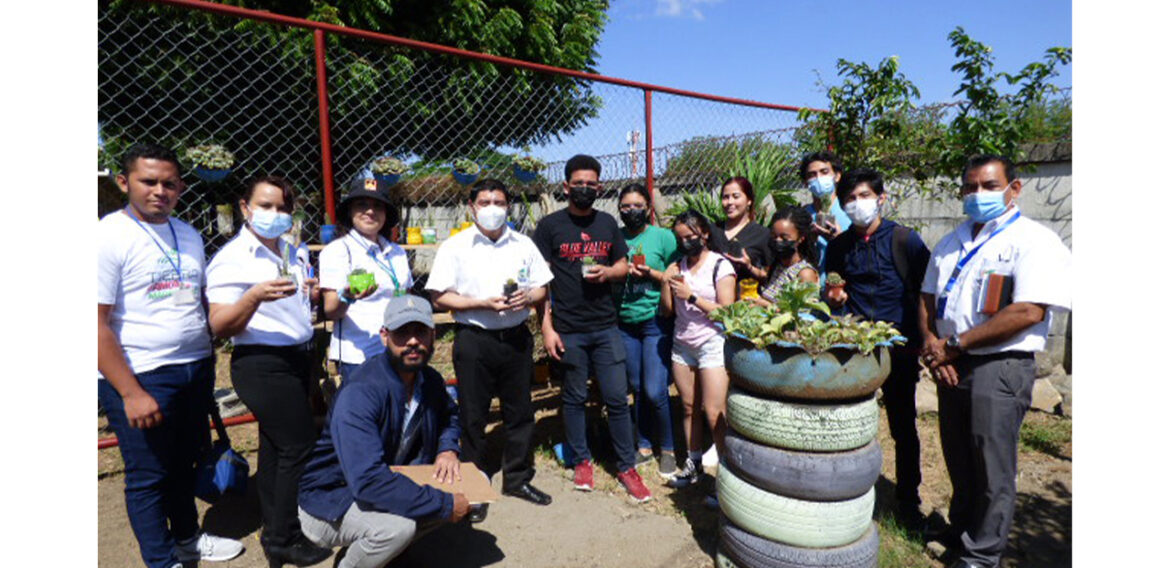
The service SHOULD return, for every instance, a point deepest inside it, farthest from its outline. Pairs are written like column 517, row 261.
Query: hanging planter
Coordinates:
column 465, row 171
column 210, row 162
column 526, row 168
column 388, row 169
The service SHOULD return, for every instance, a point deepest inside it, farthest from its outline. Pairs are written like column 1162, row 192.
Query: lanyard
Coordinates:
column 373, row 252
column 178, row 267
column 942, row 299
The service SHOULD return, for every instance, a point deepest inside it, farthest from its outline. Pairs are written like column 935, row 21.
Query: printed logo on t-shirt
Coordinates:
column 577, row 251
column 164, row 281
column 585, row 236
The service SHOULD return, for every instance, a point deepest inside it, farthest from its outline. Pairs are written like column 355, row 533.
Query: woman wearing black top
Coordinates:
column 739, row 238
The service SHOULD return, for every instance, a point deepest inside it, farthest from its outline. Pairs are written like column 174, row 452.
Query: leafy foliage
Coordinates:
column 209, row 156
column 767, row 164
column 465, row 166
column 388, row 165
column 529, row 163
column 703, row 201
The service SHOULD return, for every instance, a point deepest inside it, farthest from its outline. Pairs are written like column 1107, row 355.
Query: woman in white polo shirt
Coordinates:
column 364, row 221
column 259, row 291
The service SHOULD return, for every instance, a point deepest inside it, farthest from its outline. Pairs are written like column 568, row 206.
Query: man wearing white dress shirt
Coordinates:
column 987, row 302
column 489, row 277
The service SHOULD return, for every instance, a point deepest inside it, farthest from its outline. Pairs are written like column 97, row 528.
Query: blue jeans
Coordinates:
column 647, row 359
column 605, row 350
column 160, row 461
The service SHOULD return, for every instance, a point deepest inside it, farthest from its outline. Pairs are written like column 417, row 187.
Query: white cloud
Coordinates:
column 682, row 8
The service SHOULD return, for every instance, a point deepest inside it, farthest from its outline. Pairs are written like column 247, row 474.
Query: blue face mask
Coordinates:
column 983, row 206
column 270, row 223
column 822, row 186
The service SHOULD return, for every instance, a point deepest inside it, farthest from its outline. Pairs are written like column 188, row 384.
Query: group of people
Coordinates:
column 628, row 305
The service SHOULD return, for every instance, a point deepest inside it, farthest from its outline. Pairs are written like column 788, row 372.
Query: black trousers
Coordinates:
column 496, row 363
column 979, row 428
column 898, row 393
column 274, row 383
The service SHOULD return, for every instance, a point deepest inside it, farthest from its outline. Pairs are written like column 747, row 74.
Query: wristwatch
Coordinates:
column 692, row 299
column 953, row 342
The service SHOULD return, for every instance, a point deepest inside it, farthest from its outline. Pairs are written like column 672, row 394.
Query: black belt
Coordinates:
column 500, row 334
column 274, row 349
column 973, row 358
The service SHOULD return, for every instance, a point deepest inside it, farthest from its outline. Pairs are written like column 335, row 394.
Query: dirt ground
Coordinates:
column 605, row 528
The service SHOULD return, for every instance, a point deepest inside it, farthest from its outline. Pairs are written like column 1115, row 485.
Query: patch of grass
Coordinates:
column 1047, row 436
column 899, row 547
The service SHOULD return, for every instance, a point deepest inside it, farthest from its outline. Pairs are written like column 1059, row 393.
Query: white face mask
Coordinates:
column 491, row 217
column 862, row 212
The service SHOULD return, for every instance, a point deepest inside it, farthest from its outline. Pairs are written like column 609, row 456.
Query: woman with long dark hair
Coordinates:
column 793, row 244
column 738, row 237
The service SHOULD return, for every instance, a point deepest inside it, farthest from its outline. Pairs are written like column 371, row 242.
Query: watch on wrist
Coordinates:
column 343, row 299
column 692, row 299
column 953, row 342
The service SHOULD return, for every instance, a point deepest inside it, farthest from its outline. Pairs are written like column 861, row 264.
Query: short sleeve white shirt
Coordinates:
column 139, row 281
column 355, row 336
column 244, row 262
column 472, row 265
column 1032, row 254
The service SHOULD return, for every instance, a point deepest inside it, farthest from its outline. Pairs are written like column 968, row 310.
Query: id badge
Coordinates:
column 184, row 295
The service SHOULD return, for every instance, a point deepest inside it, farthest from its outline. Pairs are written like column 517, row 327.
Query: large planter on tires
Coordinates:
column 788, row 370
column 814, row 476
column 741, row 549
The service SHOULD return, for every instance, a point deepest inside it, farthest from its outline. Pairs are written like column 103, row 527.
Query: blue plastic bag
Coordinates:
column 220, row 470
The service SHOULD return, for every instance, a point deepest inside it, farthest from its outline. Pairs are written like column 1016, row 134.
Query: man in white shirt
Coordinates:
column 987, row 302
column 155, row 361
column 489, row 277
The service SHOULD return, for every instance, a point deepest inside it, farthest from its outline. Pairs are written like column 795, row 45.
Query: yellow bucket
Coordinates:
column 414, row 235
column 749, row 288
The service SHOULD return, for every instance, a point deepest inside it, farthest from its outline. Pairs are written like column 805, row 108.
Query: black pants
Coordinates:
column 898, row 393
column 274, row 383
column 979, row 427
column 496, row 363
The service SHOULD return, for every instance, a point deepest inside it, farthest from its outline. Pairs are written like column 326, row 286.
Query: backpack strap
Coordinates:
column 901, row 262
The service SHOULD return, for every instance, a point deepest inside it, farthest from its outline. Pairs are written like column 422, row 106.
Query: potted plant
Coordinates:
column 224, row 221
column 526, row 168
column 782, row 351
column 388, row 169
column 286, row 248
column 211, row 162
column 465, row 171
column 429, row 234
column 511, row 287
column 639, row 258
column 834, row 286
column 587, row 265
column 360, row 280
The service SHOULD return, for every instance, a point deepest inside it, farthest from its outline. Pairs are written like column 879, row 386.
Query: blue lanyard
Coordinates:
column 373, row 252
column 942, row 299
column 178, row 267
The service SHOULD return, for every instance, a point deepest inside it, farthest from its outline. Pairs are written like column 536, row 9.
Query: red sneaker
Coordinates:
column 583, row 476
column 633, row 484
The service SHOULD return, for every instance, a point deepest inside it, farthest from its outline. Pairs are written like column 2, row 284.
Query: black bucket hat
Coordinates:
column 371, row 188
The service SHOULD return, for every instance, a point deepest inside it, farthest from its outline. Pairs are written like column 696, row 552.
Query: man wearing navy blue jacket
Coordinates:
column 883, row 264
column 393, row 410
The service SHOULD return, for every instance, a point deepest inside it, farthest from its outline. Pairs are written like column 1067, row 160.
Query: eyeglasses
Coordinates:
column 631, row 207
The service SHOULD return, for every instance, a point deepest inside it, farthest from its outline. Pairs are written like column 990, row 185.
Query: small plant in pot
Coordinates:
column 511, row 287
column 388, row 169
column 526, row 168
column 360, row 280
column 465, row 171
column 639, row 258
column 210, row 162
column 286, row 250
column 834, row 286
column 587, row 265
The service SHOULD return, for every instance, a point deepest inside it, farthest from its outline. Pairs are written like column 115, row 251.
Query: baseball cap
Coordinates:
column 407, row 308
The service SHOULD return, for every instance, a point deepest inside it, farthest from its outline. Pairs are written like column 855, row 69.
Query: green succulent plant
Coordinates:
column 209, row 156
column 465, row 166
column 388, row 165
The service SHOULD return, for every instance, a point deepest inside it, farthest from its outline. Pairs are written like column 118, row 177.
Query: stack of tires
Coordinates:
column 796, row 482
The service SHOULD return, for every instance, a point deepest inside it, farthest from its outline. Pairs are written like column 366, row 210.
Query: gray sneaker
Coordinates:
column 685, row 477
column 667, row 466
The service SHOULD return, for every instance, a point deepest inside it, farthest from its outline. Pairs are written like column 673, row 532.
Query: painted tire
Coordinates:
column 523, row 176
column 796, row 522
column 741, row 549
column 840, row 373
column 800, row 426
column 813, row 476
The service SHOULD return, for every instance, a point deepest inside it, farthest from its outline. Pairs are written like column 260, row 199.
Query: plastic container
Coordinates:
column 749, row 288
column 414, row 236
column 429, row 236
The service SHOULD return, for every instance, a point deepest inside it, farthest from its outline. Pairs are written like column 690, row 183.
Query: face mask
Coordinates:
column 270, row 223
column 862, row 212
column 822, row 186
column 634, row 219
column 691, row 246
column 582, row 197
column 491, row 217
column 783, row 249
column 983, row 206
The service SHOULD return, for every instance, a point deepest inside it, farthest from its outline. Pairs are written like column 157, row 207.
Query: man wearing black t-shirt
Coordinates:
column 586, row 251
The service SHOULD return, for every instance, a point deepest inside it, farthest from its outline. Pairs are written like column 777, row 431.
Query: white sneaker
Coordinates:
column 711, row 457
column 208, row 548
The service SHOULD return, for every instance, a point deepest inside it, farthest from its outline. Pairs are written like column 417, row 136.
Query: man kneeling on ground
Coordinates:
column 393, row 410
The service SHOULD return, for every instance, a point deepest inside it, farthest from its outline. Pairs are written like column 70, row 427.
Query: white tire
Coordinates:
column 802, row 426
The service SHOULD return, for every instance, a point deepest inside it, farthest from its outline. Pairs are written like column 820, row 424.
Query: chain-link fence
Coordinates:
column 182, row 77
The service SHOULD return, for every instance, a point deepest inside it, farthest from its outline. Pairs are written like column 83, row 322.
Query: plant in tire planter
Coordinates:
column 388, row 169
column 465, row 171
column 360, row 280
column 526, row 168
column 210, row 162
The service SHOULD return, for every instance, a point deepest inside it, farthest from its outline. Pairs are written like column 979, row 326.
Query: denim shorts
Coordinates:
column 709, row 355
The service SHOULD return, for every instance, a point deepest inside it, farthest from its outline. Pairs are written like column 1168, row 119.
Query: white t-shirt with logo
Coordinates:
column 244, row 262
column 356, row 336
column 142, row 285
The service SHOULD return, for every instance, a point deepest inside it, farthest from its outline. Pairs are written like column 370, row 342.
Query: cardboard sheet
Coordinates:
column 473, row 485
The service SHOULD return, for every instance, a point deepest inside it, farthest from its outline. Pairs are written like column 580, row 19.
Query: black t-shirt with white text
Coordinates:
column 564, row 239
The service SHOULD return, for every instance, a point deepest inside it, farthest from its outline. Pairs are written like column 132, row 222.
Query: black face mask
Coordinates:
column 783, row 249
column 634, row 219
column 691, row 246
column 582, row 197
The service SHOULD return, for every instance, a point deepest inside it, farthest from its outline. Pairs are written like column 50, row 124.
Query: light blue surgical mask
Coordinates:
column 822, row 186
column 983, row 206
column 270, row 223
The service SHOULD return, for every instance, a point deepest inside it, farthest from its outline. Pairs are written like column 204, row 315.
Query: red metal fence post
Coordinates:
column 650, row 152
column 323, row 113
